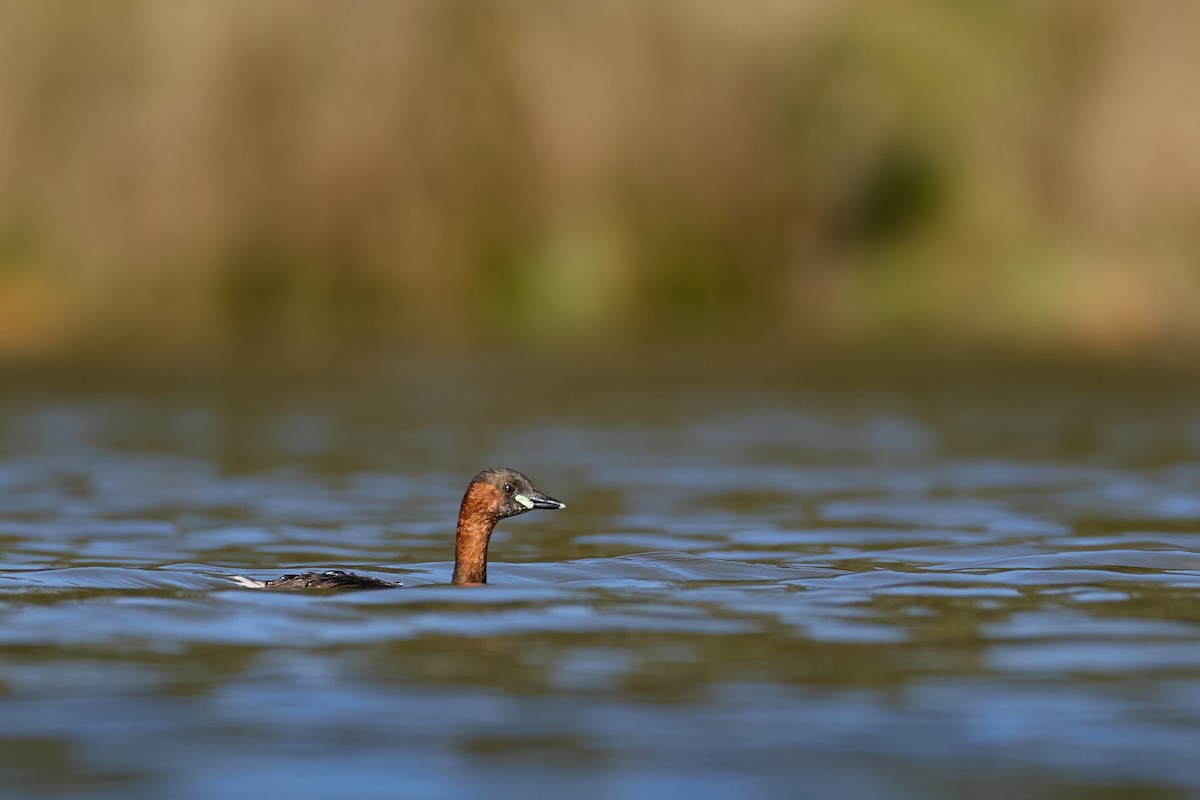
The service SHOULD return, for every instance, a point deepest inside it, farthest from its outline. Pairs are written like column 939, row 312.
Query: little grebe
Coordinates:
column 493, row 495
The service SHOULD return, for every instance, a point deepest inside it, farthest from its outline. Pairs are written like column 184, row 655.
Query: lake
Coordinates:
column 770, row 580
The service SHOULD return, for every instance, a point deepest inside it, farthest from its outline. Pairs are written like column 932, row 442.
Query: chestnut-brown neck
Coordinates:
column 476, row 518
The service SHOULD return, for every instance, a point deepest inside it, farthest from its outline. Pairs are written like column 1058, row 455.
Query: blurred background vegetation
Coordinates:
column 326, row 177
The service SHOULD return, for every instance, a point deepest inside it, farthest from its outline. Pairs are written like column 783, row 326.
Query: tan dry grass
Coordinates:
column 320, row 174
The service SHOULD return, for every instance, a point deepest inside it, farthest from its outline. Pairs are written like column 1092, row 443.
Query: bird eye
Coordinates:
column 508, row 488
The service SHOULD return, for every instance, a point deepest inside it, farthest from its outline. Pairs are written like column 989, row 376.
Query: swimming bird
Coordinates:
column 494, row 494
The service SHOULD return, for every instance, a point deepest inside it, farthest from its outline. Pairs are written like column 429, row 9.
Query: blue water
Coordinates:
column 811, row 585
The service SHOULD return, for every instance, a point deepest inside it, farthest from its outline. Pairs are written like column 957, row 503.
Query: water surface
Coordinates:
column 869, row 586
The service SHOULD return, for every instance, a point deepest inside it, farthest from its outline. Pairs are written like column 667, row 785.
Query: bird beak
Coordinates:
column 536, row 499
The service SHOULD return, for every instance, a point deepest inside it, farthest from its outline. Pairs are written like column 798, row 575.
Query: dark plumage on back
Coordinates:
column 330, row 579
